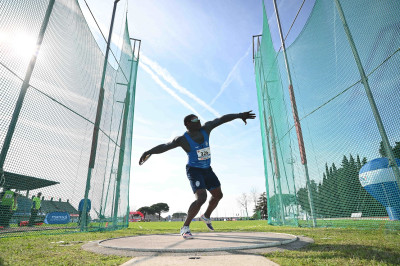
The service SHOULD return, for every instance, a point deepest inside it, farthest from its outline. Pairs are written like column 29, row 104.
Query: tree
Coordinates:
column 382, row 150
column 395, row 150
column 262, row 206
column 364, row 161
column 159, row 208
column 243, row 201
column 146, row 210
column 254, row 196
column 179, row 215
column 302, row 199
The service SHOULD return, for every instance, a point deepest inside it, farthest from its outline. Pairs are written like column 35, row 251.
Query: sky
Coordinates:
column 195, row 57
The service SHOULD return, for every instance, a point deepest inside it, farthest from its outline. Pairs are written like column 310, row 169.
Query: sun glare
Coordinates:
column 20, row 44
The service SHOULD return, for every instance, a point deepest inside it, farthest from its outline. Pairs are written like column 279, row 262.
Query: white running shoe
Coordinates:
column 207, row 221
column 185, row 232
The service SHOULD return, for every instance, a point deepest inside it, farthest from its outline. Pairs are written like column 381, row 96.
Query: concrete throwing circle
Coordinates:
column 202, row 242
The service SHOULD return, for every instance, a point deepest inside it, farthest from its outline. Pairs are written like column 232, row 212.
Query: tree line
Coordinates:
column 157, row 208
column 340, row 193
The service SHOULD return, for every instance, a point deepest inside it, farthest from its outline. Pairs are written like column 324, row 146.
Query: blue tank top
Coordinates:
column 199, row 155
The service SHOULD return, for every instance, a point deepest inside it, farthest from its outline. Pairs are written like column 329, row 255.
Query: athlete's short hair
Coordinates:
column 188, row 118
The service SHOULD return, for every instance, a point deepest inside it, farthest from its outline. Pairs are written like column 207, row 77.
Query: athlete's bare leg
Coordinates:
column 201, row 197
column 216, row 196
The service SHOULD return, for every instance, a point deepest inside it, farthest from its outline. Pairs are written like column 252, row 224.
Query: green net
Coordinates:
column 50, row 147
column 351, row 180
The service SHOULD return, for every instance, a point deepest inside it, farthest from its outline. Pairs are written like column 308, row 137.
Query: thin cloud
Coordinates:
column 167, row 89
column 162, row 72
column 231, row 76
column 135, row 136
column 143, row 121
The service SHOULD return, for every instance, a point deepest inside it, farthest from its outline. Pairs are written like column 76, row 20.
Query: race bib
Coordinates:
column 204, row 154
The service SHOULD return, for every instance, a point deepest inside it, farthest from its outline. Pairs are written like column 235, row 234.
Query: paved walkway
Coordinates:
column 218, row 260
column 222, row 248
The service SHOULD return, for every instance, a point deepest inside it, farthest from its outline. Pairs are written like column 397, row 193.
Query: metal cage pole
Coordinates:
column 275, row 173
column 263, row 125
column 364, row 81
column 255, row 49
column 269, row 130
column 276, row 163
column 123, row 136
column 296, row 120
column 97, row 121
column 133, row 110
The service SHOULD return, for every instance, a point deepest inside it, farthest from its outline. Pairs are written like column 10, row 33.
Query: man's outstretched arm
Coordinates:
column 160, row 149
column 210, row 125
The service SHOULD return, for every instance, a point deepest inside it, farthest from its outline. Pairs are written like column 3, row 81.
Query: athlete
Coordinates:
column 195, row 142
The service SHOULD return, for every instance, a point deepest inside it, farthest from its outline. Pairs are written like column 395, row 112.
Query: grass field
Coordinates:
column 332, row 246
column 354, row 223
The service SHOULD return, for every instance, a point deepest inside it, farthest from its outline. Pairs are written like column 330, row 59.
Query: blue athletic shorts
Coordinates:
column 202, row 178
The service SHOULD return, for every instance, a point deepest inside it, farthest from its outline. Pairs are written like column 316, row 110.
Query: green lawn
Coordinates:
column 332, row 246
column 354, row 223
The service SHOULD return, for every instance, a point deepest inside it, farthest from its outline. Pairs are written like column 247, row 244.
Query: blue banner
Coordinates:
column 57, row 218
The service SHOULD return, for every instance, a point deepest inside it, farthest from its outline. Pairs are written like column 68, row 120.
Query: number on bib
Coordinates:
column 204, row 154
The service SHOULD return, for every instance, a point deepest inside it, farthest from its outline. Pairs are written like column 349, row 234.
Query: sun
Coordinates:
column 20, row 44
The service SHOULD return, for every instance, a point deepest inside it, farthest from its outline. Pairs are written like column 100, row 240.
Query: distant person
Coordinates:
column 13, row 208
column 15, row 205
column 80, row 209
column 7, row 202
column 195, row 142
column 36, row 204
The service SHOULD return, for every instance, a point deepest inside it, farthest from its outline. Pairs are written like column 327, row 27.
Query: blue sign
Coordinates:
column 378, row 179
column 57, row 218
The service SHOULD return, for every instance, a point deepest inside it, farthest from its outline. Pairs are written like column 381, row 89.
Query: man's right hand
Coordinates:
column 247, row 115
column 144, row 157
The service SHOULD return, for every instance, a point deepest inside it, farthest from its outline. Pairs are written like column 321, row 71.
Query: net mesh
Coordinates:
column 341, row 137
column 50, row 148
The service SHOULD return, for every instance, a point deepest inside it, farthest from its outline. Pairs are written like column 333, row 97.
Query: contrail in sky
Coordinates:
column 231, row 76
column 171, row 80
column 167, row 89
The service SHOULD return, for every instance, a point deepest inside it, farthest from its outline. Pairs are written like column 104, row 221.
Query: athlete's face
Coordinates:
column 194, row 123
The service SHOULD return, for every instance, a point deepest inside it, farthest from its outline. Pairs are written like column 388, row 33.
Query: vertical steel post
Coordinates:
column 121, row 154
column 123, row 136
column 364, row 81
column 261, row 110
column 275, row 174
column 276, row 163
column 292, row 161
column 24, row 88
column 133, row 102
column 296, row 120
column 97, row 122
column 122, row 146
